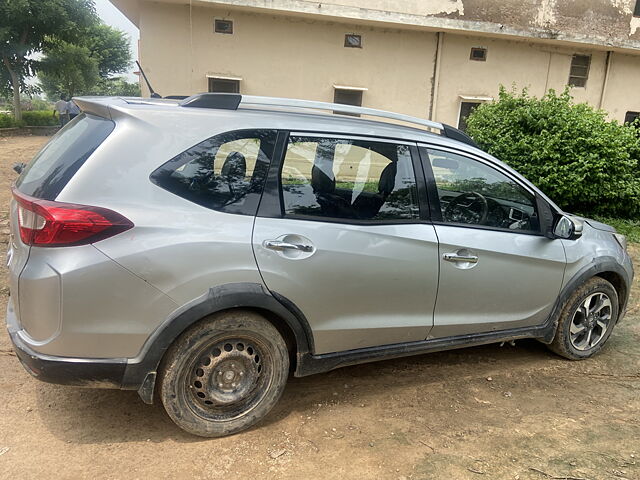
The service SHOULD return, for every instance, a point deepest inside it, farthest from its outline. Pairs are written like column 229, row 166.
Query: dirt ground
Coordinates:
column 489, row 412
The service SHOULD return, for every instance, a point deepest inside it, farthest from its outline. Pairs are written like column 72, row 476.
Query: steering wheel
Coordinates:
column 468, row 207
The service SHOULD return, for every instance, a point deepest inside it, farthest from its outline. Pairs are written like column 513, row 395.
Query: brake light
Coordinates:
column 44, row 223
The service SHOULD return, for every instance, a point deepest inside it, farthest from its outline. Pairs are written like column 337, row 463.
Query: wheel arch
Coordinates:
column 618, row 282
column 605, row 267
column 140, row 373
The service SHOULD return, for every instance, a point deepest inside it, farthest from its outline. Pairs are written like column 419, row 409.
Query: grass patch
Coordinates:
column 629, row 228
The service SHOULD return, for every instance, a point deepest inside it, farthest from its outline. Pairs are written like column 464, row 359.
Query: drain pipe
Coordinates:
column 607, row 69
column 436, row 76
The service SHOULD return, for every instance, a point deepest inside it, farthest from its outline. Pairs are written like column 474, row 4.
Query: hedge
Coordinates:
column 33, row 118
column 584, row 162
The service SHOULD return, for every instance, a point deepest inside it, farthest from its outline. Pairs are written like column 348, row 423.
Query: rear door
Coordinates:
column 497, row 270
column 341, row 233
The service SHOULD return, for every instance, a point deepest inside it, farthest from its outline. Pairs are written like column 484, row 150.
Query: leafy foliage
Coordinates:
column 32, row 118
column 6, row 121
column 115, row 87
column 571, row 151
column 28, row 27
column 67, row 70
column 110, row 48
column 83, row 67
column 39, row 118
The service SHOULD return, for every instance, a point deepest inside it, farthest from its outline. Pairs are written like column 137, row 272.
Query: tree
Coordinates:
column 84, row 67
column 67, row 70
column 110, row 47
column 115, row 87
column 26, row 28
column 586, row 163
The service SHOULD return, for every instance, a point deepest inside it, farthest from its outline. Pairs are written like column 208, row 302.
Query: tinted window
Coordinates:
column 348, row 179
column 473, row 193
column 52, row 168
column 225, row 172
column 466, row 109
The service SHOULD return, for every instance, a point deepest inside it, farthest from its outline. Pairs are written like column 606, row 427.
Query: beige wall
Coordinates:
column 537, row 67
column 287, row 57
column 602, row 23
column 623, row 86
column 300, row 57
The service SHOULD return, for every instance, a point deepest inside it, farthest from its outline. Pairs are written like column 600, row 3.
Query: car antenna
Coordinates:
column 153, row 93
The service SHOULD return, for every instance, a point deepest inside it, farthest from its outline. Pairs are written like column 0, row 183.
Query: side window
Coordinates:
column 226, row 172
column 348, row 179
column 473, row 193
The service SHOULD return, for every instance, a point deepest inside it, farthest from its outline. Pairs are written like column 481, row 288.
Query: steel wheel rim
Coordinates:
column 228, row 378
column 590, row 321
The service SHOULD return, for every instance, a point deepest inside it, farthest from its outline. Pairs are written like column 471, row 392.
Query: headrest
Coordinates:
column 234, row 166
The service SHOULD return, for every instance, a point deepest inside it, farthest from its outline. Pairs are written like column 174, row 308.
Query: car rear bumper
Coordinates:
column 85, row 372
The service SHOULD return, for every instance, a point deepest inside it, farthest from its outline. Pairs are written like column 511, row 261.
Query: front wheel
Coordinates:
column 587, row 319
column 224, row 374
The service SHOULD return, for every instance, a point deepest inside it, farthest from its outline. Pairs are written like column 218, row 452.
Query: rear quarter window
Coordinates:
column 225, row 173
column 59, row 160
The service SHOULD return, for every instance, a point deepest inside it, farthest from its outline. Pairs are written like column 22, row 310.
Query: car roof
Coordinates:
column 266, row 116
column 193, row 125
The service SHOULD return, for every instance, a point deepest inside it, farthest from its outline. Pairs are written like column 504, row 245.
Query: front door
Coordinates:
column 497, row 271
column 348, row 246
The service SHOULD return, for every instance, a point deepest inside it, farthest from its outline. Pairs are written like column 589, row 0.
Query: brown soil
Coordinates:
column 490, row 412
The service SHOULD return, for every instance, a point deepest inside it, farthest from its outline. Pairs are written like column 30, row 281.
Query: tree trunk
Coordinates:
column 15, row 84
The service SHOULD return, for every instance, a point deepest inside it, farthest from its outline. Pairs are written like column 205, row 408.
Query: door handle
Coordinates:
column 455, row 257
column 280, row 246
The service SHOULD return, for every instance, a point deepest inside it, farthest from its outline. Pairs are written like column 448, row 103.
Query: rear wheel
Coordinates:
column 224, row 374
column 587, row 320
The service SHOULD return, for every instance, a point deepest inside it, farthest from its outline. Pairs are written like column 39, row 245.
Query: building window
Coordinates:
column 579, row 72
column 478, row 54
column 224, row 85
column 636, row 11
column 223, row 26
column 348, row 97
column 631, row 117
column 352, row 40
column 465, row 110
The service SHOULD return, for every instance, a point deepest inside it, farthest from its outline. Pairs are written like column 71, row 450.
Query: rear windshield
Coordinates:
column 59, row 160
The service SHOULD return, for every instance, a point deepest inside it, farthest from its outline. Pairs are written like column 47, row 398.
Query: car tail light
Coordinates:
column 44, row 223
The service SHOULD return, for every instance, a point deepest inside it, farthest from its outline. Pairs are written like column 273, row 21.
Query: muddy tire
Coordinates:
column 224, row 374
column 586, row 320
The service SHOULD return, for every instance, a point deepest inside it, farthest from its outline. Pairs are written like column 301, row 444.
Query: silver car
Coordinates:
column 200, row 250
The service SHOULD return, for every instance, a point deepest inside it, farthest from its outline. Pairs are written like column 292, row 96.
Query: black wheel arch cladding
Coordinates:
column 280, row 311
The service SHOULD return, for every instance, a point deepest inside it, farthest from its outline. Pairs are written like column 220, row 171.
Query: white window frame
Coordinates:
column 470, row 99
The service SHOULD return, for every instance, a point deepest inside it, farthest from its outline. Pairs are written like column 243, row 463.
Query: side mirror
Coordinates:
column 568, row 228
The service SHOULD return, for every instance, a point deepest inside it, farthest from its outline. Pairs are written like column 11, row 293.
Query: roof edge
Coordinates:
column 402, row 20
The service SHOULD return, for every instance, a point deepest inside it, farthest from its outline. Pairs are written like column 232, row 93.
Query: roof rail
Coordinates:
column 232, row 101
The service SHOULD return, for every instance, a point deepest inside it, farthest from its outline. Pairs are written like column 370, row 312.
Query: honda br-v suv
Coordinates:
column 198, row 251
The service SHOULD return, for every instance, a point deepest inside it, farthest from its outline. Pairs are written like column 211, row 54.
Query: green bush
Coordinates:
column 38, row 118
column 584, row 162
column 6, row 120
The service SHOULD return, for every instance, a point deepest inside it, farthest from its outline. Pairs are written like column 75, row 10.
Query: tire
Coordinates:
column 224, row 374
column 587, row 319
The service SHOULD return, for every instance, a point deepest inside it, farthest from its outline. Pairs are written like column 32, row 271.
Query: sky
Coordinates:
column 113, row 17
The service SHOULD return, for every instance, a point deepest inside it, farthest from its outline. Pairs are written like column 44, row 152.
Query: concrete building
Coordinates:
column 429, row 58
